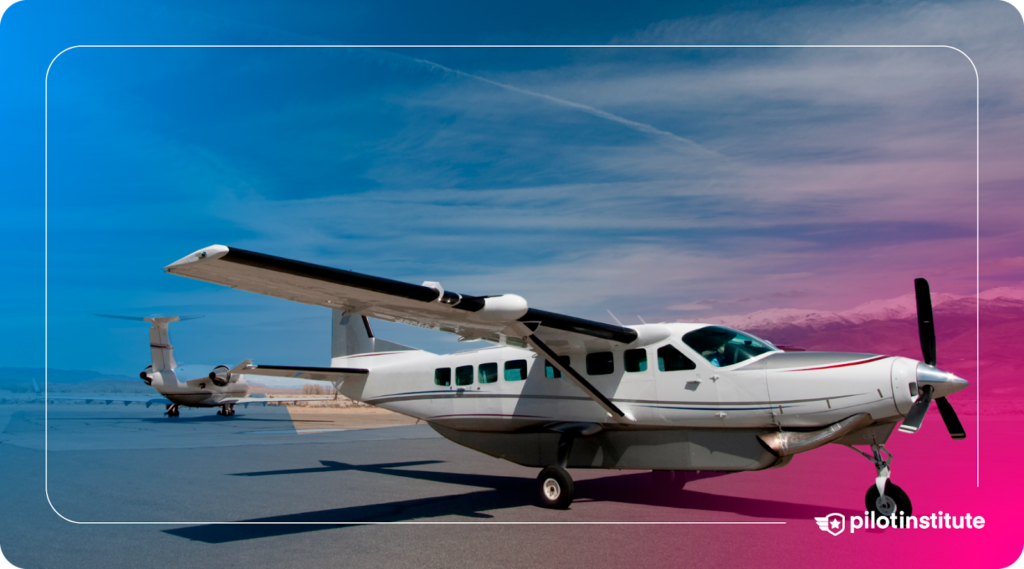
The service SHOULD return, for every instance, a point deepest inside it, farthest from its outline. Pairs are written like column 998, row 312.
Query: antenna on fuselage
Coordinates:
column 641, row 319
column 613, row 316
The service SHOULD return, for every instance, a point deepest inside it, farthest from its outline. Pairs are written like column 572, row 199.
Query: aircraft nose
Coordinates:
column 943, row 382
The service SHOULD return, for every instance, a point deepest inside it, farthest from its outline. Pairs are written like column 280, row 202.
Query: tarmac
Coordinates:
column 124, row 486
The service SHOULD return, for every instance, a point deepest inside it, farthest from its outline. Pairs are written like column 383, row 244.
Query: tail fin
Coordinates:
column 351, row 335
column 159, row 337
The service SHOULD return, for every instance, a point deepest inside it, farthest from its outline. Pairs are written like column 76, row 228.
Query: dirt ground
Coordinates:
column 306, row 418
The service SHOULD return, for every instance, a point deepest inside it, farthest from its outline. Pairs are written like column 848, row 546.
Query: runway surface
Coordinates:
column 131, row 464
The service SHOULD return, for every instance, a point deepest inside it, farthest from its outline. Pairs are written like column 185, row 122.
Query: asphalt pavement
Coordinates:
column 124, row 486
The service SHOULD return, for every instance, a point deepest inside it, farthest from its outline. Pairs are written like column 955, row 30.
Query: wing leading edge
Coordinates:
column 495, row 318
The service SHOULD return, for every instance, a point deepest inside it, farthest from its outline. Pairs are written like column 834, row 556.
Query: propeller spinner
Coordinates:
column 933, row 383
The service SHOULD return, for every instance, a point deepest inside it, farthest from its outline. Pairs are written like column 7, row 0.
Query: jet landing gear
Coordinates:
column 172, row 410
column 226, row 410
column 884, row 497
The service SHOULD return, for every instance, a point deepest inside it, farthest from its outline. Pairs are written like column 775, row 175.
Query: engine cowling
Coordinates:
column 221, row 376
column 147, row 375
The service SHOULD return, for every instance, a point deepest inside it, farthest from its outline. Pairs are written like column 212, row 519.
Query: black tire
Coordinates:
column 896, row 501
column 555, row 488
column 668, row 480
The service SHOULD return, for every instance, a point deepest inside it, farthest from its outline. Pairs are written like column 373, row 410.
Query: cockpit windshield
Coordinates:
column 724, row 347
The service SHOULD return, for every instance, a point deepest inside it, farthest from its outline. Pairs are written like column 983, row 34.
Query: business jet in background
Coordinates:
column 222, row 387
column 559, row 392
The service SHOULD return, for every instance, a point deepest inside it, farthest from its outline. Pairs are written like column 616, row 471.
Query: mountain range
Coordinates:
column 973, row 334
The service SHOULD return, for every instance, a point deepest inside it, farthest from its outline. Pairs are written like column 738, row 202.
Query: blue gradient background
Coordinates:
column 669, row 183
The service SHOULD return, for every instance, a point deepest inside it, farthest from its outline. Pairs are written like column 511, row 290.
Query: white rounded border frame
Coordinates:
column 977, row 147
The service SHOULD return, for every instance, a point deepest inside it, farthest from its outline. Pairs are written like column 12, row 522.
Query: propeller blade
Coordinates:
column 925, row 320
column 916, row 415
column 956, row 430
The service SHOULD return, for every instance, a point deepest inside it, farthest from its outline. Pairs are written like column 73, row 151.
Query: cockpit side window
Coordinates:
column 722, row 346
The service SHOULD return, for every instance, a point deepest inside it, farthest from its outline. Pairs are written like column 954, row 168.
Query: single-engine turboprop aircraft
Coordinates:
column 221, row 387
column 560, row 392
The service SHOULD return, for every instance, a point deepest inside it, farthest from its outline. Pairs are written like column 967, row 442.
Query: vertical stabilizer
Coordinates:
column 160, row 343
column 159, row 337
column 351, row 335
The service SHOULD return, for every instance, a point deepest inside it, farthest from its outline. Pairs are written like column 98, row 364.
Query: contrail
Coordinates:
column 642, row 127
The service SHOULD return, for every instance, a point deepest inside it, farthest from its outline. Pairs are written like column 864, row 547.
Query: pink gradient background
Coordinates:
column 937, row 472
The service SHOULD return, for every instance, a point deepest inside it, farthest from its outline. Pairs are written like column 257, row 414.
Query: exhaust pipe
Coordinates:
column 788, row 443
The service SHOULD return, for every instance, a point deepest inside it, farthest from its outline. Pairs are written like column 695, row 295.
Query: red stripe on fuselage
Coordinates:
column 874, row 359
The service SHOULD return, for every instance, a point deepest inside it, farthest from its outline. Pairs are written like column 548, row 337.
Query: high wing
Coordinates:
column 494, row 318
column 503, row 318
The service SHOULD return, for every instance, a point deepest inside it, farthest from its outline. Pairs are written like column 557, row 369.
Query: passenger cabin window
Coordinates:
column 671, row 359
column 443, row 376
column 636, row 360
column 464, row 375
column 515, row 370
column 488, row 373
column 722, row 346
column 600, row 363
column 550, row 371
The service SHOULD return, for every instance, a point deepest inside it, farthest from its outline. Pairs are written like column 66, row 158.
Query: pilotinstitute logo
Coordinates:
column 835, row 523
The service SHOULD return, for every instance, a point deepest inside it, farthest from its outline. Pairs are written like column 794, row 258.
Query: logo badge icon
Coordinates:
column 832, row 523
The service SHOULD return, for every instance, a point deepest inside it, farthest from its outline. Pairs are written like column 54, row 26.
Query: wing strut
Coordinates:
column 576, row 378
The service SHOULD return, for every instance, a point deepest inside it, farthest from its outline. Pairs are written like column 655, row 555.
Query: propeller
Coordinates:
column 929, row 378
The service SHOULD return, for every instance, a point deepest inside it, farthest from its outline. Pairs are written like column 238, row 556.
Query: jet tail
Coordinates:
column 351, row 335
column 159, row 337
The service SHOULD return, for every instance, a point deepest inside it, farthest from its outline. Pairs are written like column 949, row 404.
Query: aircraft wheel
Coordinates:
column 555, row 488
column 894, row 501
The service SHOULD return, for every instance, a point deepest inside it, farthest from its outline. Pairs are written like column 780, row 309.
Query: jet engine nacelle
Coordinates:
column 147, row 375
column 221, row 376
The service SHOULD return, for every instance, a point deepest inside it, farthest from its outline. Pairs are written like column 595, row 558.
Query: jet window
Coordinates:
column 488, row 373
column 515, row 370
column 636, row 360
column 550, row 371
column 724, row 347
column 600, row 363
column 464, row 375
column 443, row 376
column 671, row 359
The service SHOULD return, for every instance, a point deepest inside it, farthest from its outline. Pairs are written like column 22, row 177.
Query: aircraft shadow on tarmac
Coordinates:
column 501, row 492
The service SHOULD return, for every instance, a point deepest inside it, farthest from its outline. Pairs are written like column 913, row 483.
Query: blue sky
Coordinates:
column 650, row 182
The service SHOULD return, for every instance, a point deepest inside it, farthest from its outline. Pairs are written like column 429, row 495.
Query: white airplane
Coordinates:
column 222, row 387
column 560, row 392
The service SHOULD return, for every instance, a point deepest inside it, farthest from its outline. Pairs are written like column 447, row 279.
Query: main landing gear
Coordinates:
column 226, row 410
column 555, row 487
column 172, row 410
column 884, row 497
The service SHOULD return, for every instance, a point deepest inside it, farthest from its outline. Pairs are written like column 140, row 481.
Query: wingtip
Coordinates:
column 204, row 254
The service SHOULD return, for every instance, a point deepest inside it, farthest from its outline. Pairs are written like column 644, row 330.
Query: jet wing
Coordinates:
column 108, row 400
column 266, row 400
column 503, row 318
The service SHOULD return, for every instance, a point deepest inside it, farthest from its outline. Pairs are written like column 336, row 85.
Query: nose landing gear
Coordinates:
column 172, row 410
column 884, row 497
